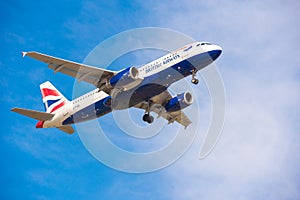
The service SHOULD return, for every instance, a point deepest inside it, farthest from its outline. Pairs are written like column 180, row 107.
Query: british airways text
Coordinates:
column 165, row 61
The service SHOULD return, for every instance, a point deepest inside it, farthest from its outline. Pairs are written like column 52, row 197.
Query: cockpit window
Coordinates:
column 203, row 43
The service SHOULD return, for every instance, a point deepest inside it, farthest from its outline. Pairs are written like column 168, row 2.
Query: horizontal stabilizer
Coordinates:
column 33, row 114
column 66, row 129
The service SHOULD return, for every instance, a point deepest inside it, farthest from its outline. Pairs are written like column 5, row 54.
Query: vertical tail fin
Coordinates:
column 53, row 100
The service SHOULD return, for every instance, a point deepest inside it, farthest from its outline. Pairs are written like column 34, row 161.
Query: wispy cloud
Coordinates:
column 45, row 145
column 256, row 157
column 253, row 158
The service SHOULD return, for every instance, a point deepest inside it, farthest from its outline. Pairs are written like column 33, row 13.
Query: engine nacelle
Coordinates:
column 125, row 79
column 179, row 102
column 107, row 101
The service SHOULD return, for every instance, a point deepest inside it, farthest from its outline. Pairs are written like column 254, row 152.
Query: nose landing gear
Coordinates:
column 194, row 79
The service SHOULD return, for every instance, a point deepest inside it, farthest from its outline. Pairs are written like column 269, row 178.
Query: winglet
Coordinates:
column 24, row 54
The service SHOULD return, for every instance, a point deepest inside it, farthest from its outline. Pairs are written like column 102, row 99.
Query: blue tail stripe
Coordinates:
column 50, row 102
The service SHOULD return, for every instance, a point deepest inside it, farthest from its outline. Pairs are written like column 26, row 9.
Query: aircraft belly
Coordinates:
column 151, row 86
column 127, row 99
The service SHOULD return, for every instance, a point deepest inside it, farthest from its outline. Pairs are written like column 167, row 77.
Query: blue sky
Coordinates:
column 257, row 156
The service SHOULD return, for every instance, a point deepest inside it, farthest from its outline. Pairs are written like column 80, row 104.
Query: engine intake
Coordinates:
column 125, row 79
column 179, row 102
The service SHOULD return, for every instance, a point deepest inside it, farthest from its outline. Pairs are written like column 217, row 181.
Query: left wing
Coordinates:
column 82, row 72
column 157, row 107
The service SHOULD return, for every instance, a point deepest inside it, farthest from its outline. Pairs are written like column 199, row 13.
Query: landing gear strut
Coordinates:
column 194, row 79
column 147, row 117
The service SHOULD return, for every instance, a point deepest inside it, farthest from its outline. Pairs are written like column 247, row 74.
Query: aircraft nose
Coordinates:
column 219, row 48
column 214, row 54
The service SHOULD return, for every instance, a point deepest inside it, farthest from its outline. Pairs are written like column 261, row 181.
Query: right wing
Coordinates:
column 82, row 72
column 171, row 117
column 157, row 107
column 33, row 114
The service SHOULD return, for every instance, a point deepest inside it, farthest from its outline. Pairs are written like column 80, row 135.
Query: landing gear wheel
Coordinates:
column 195, row 81
column 151, row 119
column 145, row 117
column 148, row 118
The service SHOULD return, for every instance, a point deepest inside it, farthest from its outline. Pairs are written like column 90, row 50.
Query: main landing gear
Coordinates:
column 194, row 79
column 147, row 117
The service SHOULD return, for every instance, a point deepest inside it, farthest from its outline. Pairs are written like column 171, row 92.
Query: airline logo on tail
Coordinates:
column 52, row 98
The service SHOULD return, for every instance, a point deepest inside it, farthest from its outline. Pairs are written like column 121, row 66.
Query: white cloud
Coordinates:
column 252, row 159
column 256, row 157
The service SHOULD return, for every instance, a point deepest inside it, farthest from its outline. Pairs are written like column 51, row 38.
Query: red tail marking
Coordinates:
column 47, row 92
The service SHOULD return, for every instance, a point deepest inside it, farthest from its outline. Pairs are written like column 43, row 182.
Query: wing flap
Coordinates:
column 178, row 116
column 33, row 114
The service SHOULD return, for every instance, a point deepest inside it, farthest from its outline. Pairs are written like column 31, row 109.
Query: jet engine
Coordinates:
column 179, row 102
column 125, row 79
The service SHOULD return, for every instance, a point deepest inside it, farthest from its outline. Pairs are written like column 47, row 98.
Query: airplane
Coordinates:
column 145, row 88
